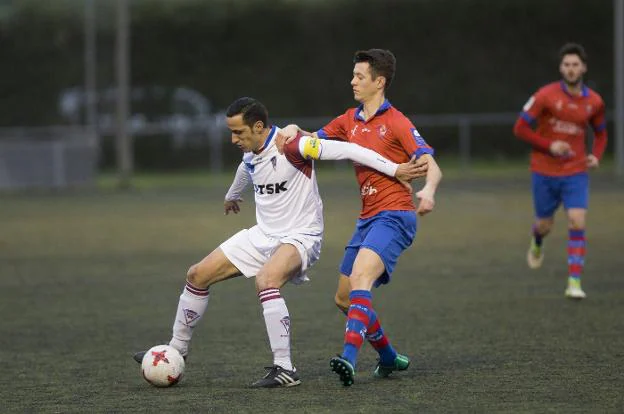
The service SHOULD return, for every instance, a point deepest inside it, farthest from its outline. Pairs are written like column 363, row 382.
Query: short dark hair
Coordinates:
column 251, row 109
column 573, row 49
column 382, row 63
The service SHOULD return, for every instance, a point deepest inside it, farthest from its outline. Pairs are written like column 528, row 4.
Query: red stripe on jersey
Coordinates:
column 291, row 151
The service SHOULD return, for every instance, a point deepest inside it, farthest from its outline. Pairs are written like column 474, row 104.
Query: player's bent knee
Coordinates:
column 195, row 278
column 576, row 221
column 264, row 282
column 202, row 276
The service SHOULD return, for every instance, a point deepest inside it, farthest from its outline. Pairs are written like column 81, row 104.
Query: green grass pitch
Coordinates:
column 87, row 278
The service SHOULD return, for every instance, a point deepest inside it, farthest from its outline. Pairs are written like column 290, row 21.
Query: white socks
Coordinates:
column 194, row 301
column 277, row 322
column 191, row 307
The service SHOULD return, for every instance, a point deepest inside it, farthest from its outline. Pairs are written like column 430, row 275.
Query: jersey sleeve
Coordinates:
column 534, row 107
column 293, row 155
column 527, row 120
column 597, row 121
column 324, row 149
column 599, row 125
column 336, row 129
column 410, row 138
column 291, row 150
column 241, row 181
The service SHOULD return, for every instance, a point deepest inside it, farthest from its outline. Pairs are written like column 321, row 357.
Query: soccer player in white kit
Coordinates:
column 285, row 242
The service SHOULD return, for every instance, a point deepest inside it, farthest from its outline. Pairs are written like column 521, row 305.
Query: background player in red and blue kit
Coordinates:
column 561, row 112
column 387, row 222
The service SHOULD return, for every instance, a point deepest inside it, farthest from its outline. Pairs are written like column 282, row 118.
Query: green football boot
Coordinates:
column 401, row 363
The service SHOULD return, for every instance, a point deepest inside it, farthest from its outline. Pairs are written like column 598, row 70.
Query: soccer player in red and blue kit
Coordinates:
column 387, row 223
column 560, row 113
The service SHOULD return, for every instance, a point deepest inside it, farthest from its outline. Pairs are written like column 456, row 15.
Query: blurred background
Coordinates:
column 133, row 86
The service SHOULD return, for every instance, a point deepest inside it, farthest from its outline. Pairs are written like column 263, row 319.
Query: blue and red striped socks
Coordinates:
column 380, row 342
column 576, row 253
column 358, row 319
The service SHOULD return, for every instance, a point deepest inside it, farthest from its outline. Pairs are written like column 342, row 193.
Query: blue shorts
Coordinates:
column 549, row 192
column 387, row 234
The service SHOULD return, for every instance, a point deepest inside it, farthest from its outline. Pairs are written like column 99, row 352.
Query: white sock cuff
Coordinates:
column 193, row 292
column 268, row 295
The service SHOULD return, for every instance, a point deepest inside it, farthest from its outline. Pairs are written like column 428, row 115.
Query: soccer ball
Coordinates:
column 162, row 366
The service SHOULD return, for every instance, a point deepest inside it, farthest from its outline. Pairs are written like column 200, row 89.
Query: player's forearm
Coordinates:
column 336, row 150
column 434, row 174
column 600, row 144
column 523, row 131
column 241, row 180
column 296, row 127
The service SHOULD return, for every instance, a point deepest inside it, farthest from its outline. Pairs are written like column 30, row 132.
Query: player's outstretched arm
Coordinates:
column 426, row 196
column 287, row 134
column 233, row 196
column 320, row 149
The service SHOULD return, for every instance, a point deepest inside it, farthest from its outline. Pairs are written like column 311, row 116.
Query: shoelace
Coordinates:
column 271, row 370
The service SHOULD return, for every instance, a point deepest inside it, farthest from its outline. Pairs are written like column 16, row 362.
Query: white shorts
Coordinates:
column 250, row 249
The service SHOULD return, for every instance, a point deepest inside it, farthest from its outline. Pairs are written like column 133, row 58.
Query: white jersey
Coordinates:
column 285, row 190
column 286, row 193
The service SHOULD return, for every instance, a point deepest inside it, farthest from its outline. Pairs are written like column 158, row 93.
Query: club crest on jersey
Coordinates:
column 382, row 131
column 420, row 141
column 274, row 162
column 286, row 323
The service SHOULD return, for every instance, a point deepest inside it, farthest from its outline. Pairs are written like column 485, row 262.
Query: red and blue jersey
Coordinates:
column 390, row 134
column 556, row 114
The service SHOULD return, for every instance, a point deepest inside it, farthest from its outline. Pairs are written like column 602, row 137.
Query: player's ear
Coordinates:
column 258, row 126
column 381, row 82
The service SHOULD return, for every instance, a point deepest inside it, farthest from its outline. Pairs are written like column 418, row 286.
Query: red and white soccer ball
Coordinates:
column 162, row 366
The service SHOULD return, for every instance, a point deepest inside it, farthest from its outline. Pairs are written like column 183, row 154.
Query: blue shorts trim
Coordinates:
column 549, row 192
column 388, row 234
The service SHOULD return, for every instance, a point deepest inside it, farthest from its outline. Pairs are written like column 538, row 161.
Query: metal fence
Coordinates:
column 59, row 156
column 48, row 157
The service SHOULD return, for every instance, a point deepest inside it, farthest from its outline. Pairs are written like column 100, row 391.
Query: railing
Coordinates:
column 213, row 131
column 463, row 123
